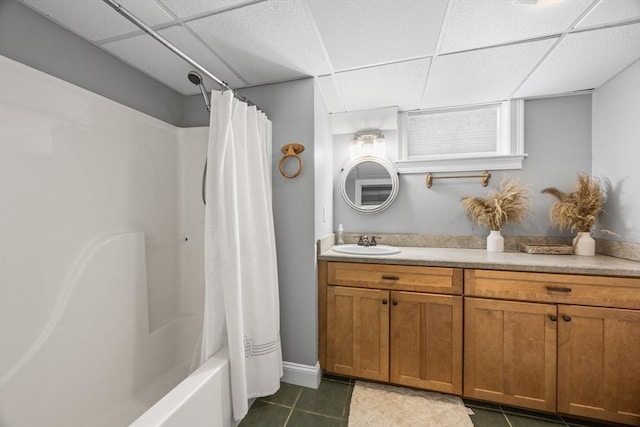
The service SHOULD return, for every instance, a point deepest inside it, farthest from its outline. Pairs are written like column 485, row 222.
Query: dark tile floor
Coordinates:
column 491, row 415
column 328, row 406
column 296, row 406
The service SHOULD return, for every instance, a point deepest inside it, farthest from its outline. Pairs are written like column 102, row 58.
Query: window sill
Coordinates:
column 461, row 164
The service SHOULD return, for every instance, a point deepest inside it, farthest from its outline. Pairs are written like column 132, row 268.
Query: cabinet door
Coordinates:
column 426, row 341
column 510, row 353
column 599, row 363
column 358, row 332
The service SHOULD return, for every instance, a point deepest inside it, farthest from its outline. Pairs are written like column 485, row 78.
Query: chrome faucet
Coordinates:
column 364, row 241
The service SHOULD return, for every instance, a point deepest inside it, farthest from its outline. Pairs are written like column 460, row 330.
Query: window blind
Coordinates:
column 452, row 132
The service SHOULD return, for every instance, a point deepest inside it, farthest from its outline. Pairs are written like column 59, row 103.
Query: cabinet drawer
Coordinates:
column 396, row 277
column 616, row 292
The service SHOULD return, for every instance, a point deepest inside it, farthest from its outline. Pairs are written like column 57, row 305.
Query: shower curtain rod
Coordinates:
column 144, row 27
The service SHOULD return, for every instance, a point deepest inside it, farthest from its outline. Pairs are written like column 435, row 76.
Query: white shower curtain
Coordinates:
column 240, row 254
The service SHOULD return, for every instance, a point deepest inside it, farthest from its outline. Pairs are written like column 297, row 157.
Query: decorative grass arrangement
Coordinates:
column 578, row 210
column 509, row 204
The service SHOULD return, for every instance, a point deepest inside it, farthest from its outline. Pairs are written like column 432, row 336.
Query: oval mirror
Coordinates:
column 369, row 184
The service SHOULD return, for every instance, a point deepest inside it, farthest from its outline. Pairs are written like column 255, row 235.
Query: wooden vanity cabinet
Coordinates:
column 391, row 323
column 554, row 342
column 510, row 353
column 426, row 341
column 358, row 332
column 599, row 363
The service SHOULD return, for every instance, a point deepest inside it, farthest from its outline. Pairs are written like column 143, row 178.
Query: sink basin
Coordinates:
column 366, row 250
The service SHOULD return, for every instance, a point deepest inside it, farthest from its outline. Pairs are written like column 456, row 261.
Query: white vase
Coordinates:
column 583, row 244
column 495, row 241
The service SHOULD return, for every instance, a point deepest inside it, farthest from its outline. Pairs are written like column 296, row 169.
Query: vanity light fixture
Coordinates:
column 368, row 142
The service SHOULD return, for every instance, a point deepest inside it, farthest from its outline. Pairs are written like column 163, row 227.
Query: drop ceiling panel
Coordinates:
column 609, row 11
column 330, row 94
column 186, row 42
column 399, row 84
column 472, row 23
column 371, row 53
column 585, row 60
column 485, row 75
column 183, row 9
column 95, row 20
column 368, row 32
column 146, row 54
column 265, row 42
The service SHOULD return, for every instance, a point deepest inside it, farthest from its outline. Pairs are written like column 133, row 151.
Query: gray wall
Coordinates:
column 557, row 134
column 195, row 113
column 616, row 150
column 296, row 113
column 290, row 106
column 29, row 38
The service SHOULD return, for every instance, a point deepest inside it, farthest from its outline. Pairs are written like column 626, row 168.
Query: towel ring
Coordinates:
column 291, row 150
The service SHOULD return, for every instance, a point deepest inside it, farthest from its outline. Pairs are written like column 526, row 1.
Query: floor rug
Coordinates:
column 381, row 405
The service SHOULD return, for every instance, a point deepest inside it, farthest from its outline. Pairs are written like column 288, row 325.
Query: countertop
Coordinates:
column 481, row 259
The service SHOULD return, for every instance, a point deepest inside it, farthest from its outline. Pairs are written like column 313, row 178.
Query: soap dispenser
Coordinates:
column 340, row 235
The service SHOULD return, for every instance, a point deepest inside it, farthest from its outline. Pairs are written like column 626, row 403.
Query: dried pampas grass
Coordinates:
column 509, row 204
column 578, row 210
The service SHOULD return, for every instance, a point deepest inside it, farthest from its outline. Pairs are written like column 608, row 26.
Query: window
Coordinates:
column 462, row 139
column 372, row 192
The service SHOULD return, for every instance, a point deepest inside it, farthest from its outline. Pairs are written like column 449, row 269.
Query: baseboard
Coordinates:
column 304, row 375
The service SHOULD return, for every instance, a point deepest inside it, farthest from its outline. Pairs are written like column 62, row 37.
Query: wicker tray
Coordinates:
column 546, row 249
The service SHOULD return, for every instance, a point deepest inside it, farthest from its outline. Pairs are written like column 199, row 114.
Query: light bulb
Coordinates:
column 380, row 146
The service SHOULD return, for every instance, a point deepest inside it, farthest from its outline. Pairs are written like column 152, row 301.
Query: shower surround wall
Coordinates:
column 91, row 195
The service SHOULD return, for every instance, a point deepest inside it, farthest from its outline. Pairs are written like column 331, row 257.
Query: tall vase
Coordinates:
column 495, row 241
column 583, row 244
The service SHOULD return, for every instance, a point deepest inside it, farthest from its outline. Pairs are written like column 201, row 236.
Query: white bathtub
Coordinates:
column 203, row 399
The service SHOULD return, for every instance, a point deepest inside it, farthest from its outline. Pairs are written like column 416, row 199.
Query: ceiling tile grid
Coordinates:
column 611, row 11
column 473, row 24
column 95, row 20
column 187, row 8
column 369, row 54
column 362, row 33
column 399, row 84
column 160, row 63
column 585, row 60
column 482, row 75
column 265, row 42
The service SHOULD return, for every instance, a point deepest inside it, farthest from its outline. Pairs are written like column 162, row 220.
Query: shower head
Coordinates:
column 196, row 79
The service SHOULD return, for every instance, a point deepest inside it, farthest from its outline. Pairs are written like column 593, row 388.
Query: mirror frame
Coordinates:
column 393, row 175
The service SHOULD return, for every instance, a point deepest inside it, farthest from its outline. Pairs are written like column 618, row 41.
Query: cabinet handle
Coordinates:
column 553, row 317
column 566, row 318
column 384, row 301
column 395, row 302
column 558, row 289
column 391, row 277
